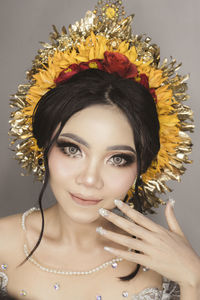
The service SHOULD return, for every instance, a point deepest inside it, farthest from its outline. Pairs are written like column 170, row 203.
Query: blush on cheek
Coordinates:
column 60, row 165
column 121, row 182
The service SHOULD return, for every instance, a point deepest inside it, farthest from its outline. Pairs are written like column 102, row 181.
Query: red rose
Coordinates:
column 76, row 68
column 91, row 64
column 115, row 62
column 84, row 66
column 67, row 73
column 153, row 94
column 132, row 71
column 144, row 81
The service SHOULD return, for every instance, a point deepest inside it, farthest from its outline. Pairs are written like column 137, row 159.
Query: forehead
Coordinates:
column 101, row 123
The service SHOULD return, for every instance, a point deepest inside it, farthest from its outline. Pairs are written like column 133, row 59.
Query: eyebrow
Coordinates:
column 122, row 147
column 79, row 140
column 76, row 138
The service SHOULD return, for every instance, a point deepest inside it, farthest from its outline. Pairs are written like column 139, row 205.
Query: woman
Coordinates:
column 99, row 131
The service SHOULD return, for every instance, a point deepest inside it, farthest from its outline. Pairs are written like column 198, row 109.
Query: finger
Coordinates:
column 137, row 217
column 130, row 256
column 123, row 240
column 126, row 225
column 171, row 219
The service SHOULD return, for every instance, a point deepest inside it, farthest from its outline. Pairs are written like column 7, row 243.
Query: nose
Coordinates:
column 90, row 176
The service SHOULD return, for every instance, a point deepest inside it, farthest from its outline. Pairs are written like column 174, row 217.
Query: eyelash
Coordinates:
column 66, row 145
column 126, row 158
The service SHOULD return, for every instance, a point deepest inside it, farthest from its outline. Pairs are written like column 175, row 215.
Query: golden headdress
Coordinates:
column 103, row 34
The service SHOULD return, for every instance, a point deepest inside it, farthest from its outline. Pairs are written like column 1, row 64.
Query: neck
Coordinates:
column 76, row 234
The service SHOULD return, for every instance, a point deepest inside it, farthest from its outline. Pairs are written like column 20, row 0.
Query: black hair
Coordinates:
column 5, row 296
column 96, row 87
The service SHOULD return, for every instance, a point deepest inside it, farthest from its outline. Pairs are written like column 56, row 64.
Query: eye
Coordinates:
column 122, row 160
column 70, row 149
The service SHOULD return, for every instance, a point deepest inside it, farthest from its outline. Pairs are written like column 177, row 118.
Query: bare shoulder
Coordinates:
column 153, row 279
column 148, row 279
column 11, row 236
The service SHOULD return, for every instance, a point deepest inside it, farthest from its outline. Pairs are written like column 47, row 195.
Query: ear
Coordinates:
column 171, row 219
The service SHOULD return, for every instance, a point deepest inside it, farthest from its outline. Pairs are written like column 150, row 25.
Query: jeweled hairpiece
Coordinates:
column 104, row 36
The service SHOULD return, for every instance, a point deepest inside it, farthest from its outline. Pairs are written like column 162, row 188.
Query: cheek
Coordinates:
column 60, row 167
column 120, row 181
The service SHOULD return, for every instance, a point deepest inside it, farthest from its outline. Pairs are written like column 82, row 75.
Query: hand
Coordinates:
column 167, row 252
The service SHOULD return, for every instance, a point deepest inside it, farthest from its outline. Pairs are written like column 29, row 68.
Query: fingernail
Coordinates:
column 172, row 202
column 108, row 249
column 103, row 212
column 100, row 230
column 118, row 203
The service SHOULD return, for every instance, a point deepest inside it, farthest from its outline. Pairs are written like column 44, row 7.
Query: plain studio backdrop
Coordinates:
column 173, row 25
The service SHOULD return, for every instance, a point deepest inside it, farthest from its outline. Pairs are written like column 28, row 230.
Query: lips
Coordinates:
column 79, row 199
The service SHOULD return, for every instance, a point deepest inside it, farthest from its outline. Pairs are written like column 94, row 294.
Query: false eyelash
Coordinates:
column 128, row 158
column 63, row 144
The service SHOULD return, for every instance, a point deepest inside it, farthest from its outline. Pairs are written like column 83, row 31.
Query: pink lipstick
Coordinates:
column 79, row 199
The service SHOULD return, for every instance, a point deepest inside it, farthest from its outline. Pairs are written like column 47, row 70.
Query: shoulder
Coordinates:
column 147, row 285
column 150, row 278
column 11, row 236
column 145, row 280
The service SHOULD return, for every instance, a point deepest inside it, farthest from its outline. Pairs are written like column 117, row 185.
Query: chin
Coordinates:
column 83, row 217
column 85, row 214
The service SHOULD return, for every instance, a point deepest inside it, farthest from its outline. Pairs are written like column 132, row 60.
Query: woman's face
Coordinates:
column 93, row 162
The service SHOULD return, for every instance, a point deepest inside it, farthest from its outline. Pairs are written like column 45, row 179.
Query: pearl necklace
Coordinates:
column 112, row 262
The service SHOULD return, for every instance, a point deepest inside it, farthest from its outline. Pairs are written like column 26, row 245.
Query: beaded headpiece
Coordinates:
column 104, row 40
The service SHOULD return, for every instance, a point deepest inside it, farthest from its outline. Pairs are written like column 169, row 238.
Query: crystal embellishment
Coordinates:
column 125, row 294
column 114, row 265
column 23, row 293
column 98, row 297
column 3, row 281
column 4, row 267
column 145, row 269
column 56, row 286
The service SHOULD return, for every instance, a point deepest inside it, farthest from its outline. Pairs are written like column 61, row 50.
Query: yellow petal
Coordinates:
column 155, row 78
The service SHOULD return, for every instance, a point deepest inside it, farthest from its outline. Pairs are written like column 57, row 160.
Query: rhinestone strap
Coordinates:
column 148, row 294
column 62, row 272
column 3, row 281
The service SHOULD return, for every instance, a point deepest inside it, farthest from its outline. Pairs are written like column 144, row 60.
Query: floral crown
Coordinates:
column 104, row 40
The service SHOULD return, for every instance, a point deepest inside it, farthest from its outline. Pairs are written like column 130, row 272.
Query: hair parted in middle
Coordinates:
column 96, row 87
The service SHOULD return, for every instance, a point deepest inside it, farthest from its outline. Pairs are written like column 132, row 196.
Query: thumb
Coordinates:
column 171, row 219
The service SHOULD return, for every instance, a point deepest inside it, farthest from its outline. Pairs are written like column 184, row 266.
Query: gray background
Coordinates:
column 174, row 25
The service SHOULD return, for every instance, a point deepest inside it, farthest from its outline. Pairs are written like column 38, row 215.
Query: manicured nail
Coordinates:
column 100, row 230
column 108, row 249
column 172, row 202
column 103, row 212
column 118, row 203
